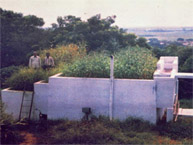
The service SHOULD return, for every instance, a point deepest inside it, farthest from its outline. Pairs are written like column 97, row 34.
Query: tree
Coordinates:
column 142, row 42
column 180, row 39
column 20, row 35
column 97, row 33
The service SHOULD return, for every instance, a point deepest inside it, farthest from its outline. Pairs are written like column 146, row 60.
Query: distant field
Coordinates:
column 170, row 34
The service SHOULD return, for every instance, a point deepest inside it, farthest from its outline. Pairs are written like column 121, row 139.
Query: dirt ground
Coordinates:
column 29, row 138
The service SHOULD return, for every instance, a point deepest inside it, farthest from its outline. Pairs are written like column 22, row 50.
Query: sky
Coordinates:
column 129, row 13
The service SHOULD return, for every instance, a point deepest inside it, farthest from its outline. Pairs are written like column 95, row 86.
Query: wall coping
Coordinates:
column 58, row 76
column 19, row 91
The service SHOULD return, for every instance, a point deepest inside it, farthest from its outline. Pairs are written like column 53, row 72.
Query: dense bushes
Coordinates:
column 136, row 63
column 6, row 72
column 25, row 78
column 65, row 53
column 177, row 130
column 95, row 65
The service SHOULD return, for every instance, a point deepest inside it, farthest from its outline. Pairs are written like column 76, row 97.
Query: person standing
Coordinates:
column 48, row 61
column 35, row 61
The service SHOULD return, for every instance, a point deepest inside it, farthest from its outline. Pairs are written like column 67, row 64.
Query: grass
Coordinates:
column 100, row 130
column 130, row 131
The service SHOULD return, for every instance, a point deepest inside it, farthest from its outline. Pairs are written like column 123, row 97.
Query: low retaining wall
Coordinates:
column 67, row 97
column 64, row 97
column 12, row 102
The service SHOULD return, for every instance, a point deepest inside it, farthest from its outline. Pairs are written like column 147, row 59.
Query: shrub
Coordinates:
column 99, row 130
column 5, row 118
column 186, row 103
column 65, row 53
column 25, row 78
column 95, row 65
column 136, row 63
column 136, row 125
column 177, row 130
column 6, row 72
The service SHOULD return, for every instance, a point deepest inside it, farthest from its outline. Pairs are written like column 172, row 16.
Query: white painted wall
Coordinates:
column 64, row 97
column 136, row 98
column 41, row 97
column 68, row 95
column 12, row 102
column 165, row 92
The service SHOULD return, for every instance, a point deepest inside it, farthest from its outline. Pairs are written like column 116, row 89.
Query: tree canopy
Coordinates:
column 21, row 35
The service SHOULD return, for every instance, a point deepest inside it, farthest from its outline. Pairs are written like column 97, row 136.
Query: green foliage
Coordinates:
column 177, row 130
column 24, row 79
column 20, row 36
column 142, row 42
column 96, row 65
column 6, row 72
column 5, row 118
column 97, row 33
column 186, row 103
column 135, row 63
column 65, row 54
column 188, row 65
column 97, row 131
column 136, row 125
column 100, row 130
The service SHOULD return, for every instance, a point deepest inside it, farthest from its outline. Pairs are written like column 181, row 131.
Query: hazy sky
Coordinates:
column 130, row 13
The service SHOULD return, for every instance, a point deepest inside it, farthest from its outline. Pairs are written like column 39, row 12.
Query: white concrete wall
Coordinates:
column 64, row 97
column 135, row 98
column 69, row 95
column 41, row 95
column 12, row 102
column 165, row 92
column 164, row 76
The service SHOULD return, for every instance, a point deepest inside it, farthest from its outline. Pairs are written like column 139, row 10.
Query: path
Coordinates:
column 29, row 138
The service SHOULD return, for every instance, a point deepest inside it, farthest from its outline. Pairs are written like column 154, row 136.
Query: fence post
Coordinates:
column 111, row 88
